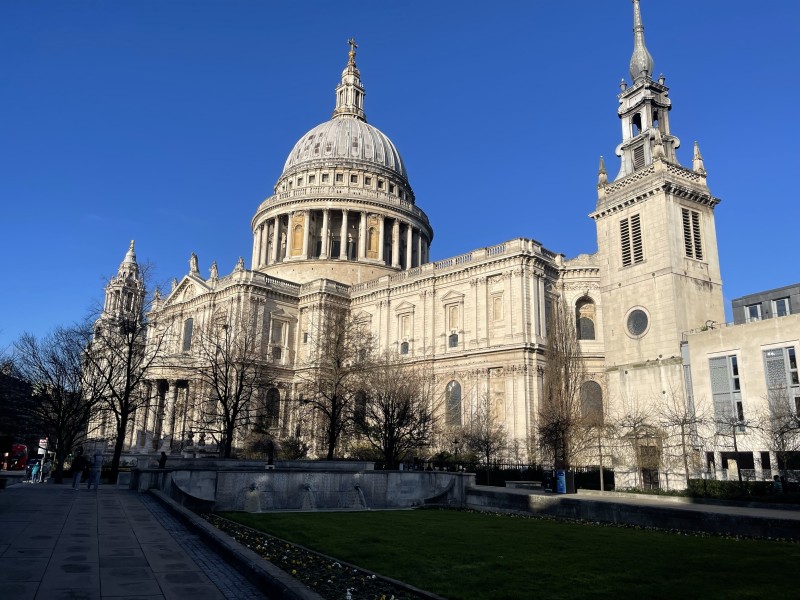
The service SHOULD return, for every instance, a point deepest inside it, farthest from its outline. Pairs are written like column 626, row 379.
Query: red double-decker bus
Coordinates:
column 18, row 457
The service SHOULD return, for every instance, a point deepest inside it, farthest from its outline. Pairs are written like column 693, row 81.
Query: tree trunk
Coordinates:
column 123, row 425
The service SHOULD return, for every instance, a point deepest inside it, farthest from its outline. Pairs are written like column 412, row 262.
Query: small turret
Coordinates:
column 697, row 160
column 602, row 176
column 350, row 92
column 125, row 292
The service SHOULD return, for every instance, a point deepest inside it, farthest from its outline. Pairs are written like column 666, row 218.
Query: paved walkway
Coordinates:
column 58, row 543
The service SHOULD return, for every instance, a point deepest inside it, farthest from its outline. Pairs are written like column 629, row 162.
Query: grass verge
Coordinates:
column 467, row 555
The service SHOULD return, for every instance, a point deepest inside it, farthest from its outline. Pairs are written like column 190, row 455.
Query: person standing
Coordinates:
column 35, row 472
column 47, row 467
column 162, row 462
column 79, row 463
column 94, row 475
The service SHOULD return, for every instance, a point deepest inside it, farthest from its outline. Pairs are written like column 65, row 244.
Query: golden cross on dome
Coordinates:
column 352, row 53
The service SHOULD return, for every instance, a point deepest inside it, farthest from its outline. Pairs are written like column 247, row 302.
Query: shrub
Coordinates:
column 712, row 488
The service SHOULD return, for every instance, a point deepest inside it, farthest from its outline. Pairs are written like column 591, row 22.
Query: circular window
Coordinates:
column 638, row 322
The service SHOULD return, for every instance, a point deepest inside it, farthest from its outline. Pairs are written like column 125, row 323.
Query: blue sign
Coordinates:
column 561, row 482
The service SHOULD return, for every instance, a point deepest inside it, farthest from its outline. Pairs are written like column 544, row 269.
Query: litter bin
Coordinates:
column 565, row 482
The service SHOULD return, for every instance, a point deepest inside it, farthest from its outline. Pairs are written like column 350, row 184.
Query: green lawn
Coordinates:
column 476, row 555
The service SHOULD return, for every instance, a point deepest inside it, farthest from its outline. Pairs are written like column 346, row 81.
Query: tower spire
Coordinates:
column 129, row 267
column 641, row 61
column 350, row 92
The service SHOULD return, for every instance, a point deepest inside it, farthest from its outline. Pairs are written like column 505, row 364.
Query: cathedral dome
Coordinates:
column 345, row 138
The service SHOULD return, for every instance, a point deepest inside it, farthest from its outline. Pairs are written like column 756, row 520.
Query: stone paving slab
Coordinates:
column 113, row 544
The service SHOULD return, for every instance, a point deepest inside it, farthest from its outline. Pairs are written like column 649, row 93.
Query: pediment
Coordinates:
column 189, row 288
column 452, row 296
column 404, row 307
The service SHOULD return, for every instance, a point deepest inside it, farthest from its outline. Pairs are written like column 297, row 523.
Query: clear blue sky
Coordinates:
column 168, row 122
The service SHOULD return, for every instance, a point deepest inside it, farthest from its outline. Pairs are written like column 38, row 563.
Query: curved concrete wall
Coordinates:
column 257, row 491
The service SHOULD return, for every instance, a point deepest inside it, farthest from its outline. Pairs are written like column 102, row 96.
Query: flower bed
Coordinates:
column 325, row 575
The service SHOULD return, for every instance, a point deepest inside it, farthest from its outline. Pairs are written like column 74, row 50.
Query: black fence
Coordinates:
column 587, row 478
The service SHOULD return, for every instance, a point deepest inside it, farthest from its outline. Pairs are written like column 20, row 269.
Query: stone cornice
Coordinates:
column 659, row 176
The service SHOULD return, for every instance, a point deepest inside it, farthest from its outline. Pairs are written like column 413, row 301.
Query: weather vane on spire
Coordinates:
column 352, row 53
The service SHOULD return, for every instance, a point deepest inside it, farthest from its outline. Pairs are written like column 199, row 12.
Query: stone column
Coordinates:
column 396, row 244
column 409, row 244
column 542, row 319
column 324, row 252
column 254, row 260
column 343, row 237
column 362, row 236
column 263, row 258
column 167, row 426
column 381, row 220
column 419, row 248
column 276, row 239
column 306, row 233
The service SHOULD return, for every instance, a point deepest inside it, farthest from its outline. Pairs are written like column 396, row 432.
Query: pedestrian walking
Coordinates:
column 47, row 467
column 94, row 475
column 79, row 463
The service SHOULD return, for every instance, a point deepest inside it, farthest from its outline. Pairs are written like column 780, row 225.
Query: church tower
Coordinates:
column 656, row 238
column 125, row 292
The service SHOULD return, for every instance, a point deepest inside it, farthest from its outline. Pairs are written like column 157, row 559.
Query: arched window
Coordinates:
column 272, row 408
column 592, row 403
column 453, row 340
column 584, row 318
column 637, row 124
column 452, row 401
column 404, row 348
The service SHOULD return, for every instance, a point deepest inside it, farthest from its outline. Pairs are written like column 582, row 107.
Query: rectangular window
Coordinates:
column 305, row 337
column 783, row 380
column 353, row 178
column 752, row 312
column 325, row 178
column 367, row 180
column 630, row 230
column 692, row 241
column 391, row 188
column 312, row 179
column 188, row 326
column 726, row 392
column 380, row 184
column 781, row 307
column 299, row 181
column 339, row 178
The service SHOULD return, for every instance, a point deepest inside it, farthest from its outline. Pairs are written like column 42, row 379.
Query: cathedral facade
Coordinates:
column 343, row 228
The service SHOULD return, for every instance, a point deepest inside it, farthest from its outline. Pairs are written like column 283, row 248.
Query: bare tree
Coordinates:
column 119, row 353
column 341, row 351
column 633, row 423
column 63, row 401
column 780, row 426
column 484, row 434
column 399, row 413
column 562, row 432
column 231, row 373
column 681, row 424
